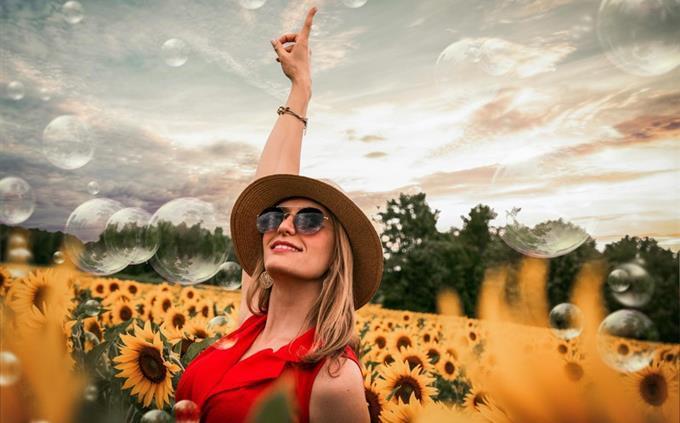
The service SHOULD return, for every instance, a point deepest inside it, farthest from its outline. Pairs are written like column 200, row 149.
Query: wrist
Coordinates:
column 304, row 85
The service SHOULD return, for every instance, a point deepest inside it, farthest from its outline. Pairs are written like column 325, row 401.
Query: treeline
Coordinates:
column 420, row 261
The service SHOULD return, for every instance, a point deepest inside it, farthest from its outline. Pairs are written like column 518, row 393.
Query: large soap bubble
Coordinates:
column 641, row 37
column 17, row 200
column 175, row 52
column 67, row 142
column 191, row 241
column 471, row 71
column 229, row 276
column 127, row 235
column 84, row 239
column 631, row 284
column 547, row 218
column 624, row 340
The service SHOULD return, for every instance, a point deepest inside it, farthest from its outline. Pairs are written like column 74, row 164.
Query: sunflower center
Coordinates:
column 472, row 336
column 132, row 289
column 405, row 386
column 433, row 355
column 574, row 371
column 654, row 389
column 166, row 304
column 113, row 287
column 93, row 327
column 388, row 359
column 381, row 341
column 99, row 289
column 178, row 321
column 190, row 294
column 205, row 311
column 403, row 341
column 414, row 361
column 200, row 333
column 40, row 297
column 479, row 398
column 426, row 337
column 449, row 367
column 125, row 313
column 374, row 408
column 151, row 364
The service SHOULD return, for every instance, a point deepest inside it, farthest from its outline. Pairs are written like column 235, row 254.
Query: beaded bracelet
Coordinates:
column 281, row 110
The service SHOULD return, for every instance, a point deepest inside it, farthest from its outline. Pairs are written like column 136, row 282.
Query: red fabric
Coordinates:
column 225, row 389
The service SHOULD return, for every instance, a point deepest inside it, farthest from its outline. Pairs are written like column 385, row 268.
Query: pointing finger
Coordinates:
column 307, row 27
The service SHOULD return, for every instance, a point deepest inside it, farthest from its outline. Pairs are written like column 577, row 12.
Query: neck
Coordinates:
column 289, row 303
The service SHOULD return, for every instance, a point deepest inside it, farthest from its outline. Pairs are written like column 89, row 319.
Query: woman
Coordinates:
column 311, row 257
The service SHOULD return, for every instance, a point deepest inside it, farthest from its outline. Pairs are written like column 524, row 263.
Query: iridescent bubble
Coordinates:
column 73, row 12
column 84, row 239
column 218, row 323
column 45, row 94
column 252, row 4
column 566, row 320
column 10, row 369
column 623, row 340
column 91, row 393
column 92, row 307
column 186, row 411
column 618, row 280
column 93, row 187
column 156, row 416
column 462, row 62
column 354, row 3
column 640, row 285
column 175, row 52
column 127, row 235
column 641, row 37
column 58, row 257
column 191, row 241
column 229, row 276
column 17, row 200
column 67, row 142
column 15, row 90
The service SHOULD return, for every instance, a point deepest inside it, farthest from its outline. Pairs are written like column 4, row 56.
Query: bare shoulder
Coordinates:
column 340, row 397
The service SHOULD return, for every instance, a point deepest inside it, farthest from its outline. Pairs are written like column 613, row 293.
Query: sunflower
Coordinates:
column 39, row 288
column 5, row 281
column 197, row 328
column 188, row 294
column 121, row 312
column 172, row 333
column 448, row 368
column 99, row 287
column 385, row 356
column 656, row 387
column 131, row 287
column 145, row 370
column 112, row 285
column 415, row 357
column 190, row 308
column 91, row 324
column 377, row 339
column 478, row 400
column 407, row 317
column 401, row 382
column 175, row 317
column 118, row 296
column 400, row 338
column 204, row 308
column 433, row 351
column 374, row 398
column 403, row 411
column 163, row 302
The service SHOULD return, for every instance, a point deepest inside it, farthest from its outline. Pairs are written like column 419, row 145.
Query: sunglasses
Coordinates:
column 307, row 221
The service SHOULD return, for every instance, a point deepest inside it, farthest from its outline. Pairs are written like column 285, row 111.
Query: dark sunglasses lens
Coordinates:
column 269, row 220
column 309, row 220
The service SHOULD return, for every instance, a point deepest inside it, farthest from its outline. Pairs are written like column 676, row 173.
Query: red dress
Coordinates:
column 225, row 388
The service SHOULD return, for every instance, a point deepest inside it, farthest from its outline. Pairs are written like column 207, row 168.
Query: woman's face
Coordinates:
column 314, row 253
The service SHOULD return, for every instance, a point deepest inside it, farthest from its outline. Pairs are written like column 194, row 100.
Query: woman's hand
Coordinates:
column 295, row 58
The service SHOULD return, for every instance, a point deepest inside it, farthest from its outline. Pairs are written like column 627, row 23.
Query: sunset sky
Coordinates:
column 550, row 119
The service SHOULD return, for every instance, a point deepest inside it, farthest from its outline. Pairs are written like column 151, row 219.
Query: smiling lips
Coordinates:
column 282, row 246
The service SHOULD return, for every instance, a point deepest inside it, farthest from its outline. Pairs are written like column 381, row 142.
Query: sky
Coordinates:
column 564, row 108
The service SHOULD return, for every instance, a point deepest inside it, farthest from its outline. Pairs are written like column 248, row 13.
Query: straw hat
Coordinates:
column 268, row 190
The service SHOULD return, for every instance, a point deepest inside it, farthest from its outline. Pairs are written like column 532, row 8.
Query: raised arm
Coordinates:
column 281, row 153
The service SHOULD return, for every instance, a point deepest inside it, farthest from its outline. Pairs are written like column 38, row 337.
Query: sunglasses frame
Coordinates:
column 287, row 211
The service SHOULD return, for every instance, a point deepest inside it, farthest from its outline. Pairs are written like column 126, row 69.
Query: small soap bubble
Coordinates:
column 566, row 320
column 73, row 12
column 156, row 416
column 186, row 411
column 15, row 90
column 92, row 308
column 175, row 52
column 58, row 257
column 91, row 393
column 10, row 369
column 93, row 187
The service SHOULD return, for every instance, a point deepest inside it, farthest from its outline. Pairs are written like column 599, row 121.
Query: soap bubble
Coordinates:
column 17, row 200
column 175, row 52
column 15, row 90
column 93, row 187
column 638, row 284
column 91, row 393
column 45, row 94
column 624, row 340
column 10, row 370
column 479, row 60
column 67, row 142
column 73, row 12
column 156, row 416
column 252, row 4
column 229, row 276
column 127, row 235
column 186, row 411
column 218, row 324
column 58, row 257
column 566, row 320
column 641, row 37
column 354, row 3
column 191, row 242
column 84, row 240
column 92, row 307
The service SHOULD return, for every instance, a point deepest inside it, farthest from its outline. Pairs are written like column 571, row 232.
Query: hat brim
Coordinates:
column 266, row 191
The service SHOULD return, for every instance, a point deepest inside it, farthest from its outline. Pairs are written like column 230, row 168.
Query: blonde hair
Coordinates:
column 333, row 311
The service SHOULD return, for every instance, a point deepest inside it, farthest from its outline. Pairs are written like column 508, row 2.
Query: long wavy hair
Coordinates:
column 332, row 313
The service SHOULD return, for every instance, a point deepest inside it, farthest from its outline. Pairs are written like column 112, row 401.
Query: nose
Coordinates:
column 287, row 226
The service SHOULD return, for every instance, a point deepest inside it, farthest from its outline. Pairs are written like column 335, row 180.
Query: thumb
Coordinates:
column 277, row 47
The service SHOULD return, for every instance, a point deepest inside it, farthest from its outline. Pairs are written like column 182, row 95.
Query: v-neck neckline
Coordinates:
column 261, row 325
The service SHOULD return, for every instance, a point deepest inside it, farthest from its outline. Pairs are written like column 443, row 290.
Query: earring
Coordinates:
column 266, row 280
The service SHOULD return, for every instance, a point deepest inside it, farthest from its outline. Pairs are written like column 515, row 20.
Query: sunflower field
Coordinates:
column 79, row 348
